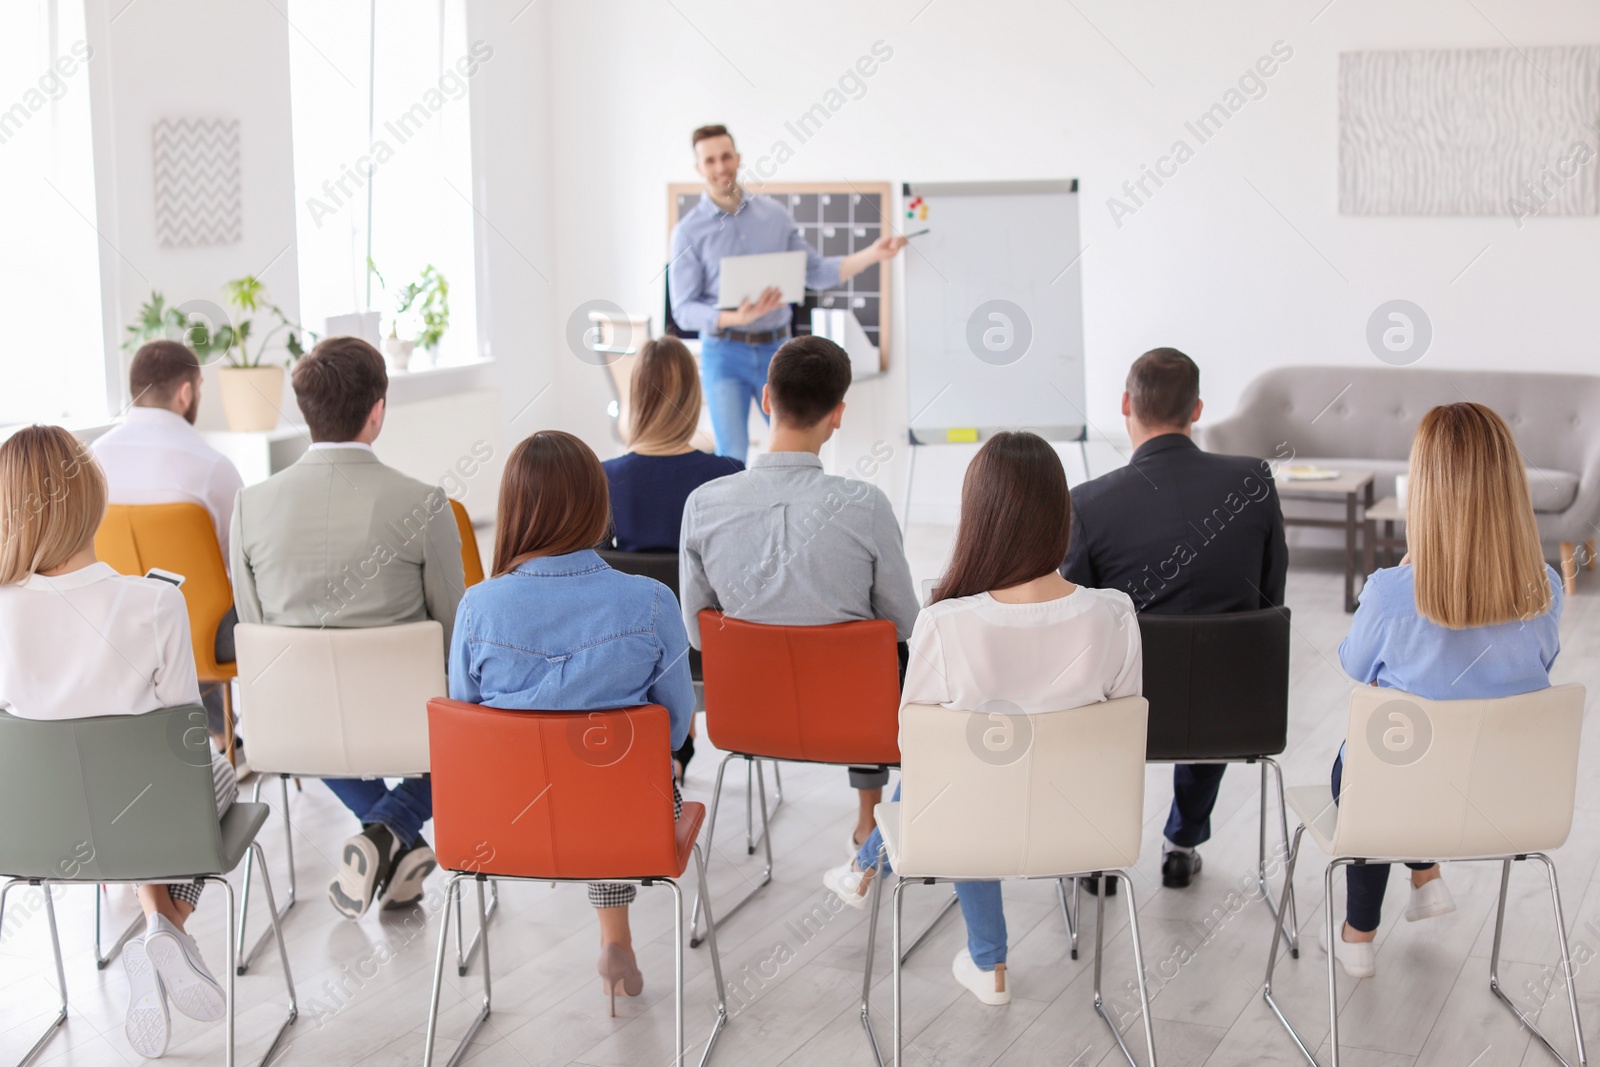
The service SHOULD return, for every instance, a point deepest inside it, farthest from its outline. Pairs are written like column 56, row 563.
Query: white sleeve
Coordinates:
column 925, row 672
column 175, row 682
column 1129, row 681
column 222, row 489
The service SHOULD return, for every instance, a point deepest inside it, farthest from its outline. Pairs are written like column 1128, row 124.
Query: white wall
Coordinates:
column 1241, row 259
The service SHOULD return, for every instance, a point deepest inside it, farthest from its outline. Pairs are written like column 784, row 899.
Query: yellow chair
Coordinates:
column 471, row 562
column 180, row 538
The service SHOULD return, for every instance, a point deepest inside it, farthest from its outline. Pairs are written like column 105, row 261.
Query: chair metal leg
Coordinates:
column 750, row 769
column 704, row 894
column 1333, row 970
column 1277, row 937
column 766, row 875
column 464, row 955
column 1287, row 915
column 1569, row 974
column 453, row 892
column 229, row 973
column 949, row 903
column 1138, row 964
column 283, row 952
column 102, row 960
column 244, row 957
column 896, row 913
column 1069, row 915
column 876, row 893
column 772, row 810
column 61, row 970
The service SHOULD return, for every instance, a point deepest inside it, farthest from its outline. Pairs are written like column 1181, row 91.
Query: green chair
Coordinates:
column 123, row 798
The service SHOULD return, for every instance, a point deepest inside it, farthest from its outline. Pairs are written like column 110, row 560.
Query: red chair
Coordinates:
column 807, row 694
column 558, row 796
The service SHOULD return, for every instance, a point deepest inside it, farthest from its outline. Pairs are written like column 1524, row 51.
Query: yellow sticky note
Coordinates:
column 957, row 437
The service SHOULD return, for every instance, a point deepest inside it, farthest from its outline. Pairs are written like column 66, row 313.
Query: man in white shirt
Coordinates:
column 157, row 457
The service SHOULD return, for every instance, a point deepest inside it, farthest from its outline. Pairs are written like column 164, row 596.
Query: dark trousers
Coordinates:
column 1364, row 883
column 1194, row 794
column 878, row 777
column 211, row 695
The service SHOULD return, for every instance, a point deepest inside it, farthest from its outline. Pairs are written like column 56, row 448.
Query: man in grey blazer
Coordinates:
column 339, row 539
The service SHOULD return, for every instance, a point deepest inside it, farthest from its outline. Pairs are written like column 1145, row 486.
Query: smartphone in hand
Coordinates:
column 165, row 576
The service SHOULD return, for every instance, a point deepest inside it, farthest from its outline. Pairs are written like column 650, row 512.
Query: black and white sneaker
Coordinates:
column 411, row 867
column 148, row 1026
column 364, row 862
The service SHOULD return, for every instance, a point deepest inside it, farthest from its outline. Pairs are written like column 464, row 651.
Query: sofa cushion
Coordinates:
column 1551, row 490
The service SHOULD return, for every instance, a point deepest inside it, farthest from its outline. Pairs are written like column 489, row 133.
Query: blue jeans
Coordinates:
column 1194, row 794
column 980, row 906
column 732, row 374
column 402, row 809
column 1365, row 884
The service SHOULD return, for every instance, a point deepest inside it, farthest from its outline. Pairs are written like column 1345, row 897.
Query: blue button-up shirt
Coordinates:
column 568, row 633
column 706, row 233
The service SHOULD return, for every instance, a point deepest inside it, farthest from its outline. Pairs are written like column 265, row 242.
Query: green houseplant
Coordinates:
column 421, row 310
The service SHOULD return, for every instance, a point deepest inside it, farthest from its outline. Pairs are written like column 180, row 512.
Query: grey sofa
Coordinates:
column 1366, row 416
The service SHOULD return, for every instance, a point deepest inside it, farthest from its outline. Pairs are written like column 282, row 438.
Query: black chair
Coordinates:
column 1218, row 687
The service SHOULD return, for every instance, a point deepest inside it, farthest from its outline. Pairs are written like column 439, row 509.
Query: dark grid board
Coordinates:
column 835, row 218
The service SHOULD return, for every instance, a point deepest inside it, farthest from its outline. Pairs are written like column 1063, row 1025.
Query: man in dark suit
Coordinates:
column 1182, row 532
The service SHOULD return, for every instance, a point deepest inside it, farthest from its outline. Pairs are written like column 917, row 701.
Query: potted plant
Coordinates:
column 251, row 390
column 421, row 309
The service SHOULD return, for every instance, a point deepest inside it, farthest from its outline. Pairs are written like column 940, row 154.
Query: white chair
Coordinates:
column 1446, row 780
column 336, row 703
column 986, row 796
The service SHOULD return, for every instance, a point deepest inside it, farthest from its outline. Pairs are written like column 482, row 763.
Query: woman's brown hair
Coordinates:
column 1470, row 530
column 553, row 500
column 664, row 398
column 52, row 498
column 1016, row 517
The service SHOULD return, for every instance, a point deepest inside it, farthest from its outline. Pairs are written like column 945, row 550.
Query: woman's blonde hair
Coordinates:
column 665, row 395
column 52, row 498
column 1470, row 528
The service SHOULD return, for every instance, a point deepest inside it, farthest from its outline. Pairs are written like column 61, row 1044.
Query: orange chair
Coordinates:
column 471, row 562
column 180, row 538
column 808, row 694
column 558, row 796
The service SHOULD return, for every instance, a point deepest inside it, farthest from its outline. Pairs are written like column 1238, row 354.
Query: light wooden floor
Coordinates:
column 794, row 965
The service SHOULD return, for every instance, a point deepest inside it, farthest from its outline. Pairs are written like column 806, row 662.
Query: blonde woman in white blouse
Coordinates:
column 1004, row 626
column 77, row 639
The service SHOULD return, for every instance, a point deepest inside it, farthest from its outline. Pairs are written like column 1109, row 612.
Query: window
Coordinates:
column 382, row 160
column 53, row 362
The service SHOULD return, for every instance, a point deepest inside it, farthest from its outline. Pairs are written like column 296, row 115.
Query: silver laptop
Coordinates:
column 744, row 277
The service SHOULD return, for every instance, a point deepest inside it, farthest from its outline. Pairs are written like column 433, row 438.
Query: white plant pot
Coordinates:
column 397, row 353
column 251, row 397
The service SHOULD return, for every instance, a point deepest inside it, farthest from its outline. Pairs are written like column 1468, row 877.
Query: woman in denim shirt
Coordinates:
column 555, row 629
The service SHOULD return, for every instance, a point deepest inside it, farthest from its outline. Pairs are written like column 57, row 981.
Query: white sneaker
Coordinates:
column 1429, row 901
column 148, row 1025
column 1358, row 958
column 183, row 972
column 987, row 986
column 848, row 884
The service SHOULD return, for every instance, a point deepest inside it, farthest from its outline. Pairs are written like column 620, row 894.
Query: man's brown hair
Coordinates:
column 337, row 384
column 158, row 369
column 705, row 133
column 553, row 500
column 1163, row 387
column 806, row 380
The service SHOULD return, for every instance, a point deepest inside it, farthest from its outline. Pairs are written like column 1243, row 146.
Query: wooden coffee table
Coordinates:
column 1388, row 511
column 1354, row 487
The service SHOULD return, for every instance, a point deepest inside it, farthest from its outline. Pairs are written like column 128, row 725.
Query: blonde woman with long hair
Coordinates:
column 1471, row 612
column 77, row 640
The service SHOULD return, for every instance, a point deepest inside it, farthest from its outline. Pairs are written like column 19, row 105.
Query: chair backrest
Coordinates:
column 339, row 703
column 471, row 561
column 987, row 794
column 1218, row 685
column 180, row 538
column 115, row 797
column 663, row 567
column 1453, row 779
column 553, row 794
column 826, row 694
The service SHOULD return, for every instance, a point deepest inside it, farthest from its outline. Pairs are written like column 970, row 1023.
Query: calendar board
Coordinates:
column 835, row 218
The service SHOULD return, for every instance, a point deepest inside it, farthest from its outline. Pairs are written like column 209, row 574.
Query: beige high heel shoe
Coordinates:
column 619, row 973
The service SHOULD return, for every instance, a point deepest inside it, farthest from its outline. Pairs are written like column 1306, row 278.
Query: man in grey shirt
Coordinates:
column 785, row 544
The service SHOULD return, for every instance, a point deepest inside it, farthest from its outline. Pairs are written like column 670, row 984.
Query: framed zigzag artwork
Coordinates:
column 197, row 182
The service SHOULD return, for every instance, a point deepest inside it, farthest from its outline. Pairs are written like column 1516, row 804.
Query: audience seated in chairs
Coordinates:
column 340, row 539
column 1473, row 611
column 1007, row 634
column 1182, row 532
column 605, row 639
column 155, row 456
column 785, row 544
column 128, row 639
